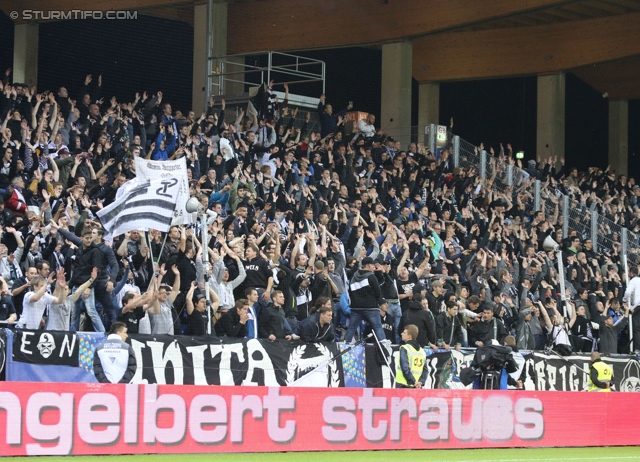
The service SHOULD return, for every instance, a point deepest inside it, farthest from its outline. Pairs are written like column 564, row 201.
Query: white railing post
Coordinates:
column 594, row 229
column 565, row 216
column 456, row 151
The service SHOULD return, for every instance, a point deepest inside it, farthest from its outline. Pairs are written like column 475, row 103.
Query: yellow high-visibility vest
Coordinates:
column 416, row 361
column 605, row 374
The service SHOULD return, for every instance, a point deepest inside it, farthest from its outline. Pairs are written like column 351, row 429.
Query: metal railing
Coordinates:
column 573, row 212
column 398, row 133
column 234, row 74
column 586, row 219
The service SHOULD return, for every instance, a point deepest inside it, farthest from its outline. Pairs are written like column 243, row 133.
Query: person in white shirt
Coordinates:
column 60, row 315
column 219, row 279
column 557, row 329
column 632, row 298
column 36, row 301
column 366, row 128
column 162, row 308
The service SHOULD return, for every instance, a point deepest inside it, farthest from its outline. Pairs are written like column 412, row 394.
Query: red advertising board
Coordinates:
column 139, row 419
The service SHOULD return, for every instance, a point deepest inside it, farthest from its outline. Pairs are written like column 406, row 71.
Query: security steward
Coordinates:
column 410, row 370
column 114, row 360
column 600, row 374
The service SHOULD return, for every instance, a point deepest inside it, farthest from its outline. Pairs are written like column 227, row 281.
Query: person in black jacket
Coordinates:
column 87, row 257
column 303, row 299
column 364, row 292
column 389, row 291
column 271, row 321
column 259, row 274
column 581, row 329
column 609, row 330
column 435, row 297
column 329, row 120
column 421, row 316
column 183, row 259
column 321, row 284
column 318, row 327
column 108, row 272
column 490, row 328
column 200, row 311
column 448, row 328
column 234, row 322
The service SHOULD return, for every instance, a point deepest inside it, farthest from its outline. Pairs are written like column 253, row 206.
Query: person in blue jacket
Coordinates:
column 318, row 327
column 161, row 150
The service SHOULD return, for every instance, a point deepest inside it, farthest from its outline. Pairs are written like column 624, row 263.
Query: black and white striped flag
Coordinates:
column 144, row 205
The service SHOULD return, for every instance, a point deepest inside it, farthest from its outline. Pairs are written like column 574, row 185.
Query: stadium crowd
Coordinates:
column 314, row 230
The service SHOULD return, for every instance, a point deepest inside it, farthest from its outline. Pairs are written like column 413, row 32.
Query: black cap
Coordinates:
column 367, row 261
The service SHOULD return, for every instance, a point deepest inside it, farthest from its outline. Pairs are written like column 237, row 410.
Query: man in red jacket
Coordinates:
column 16, row 201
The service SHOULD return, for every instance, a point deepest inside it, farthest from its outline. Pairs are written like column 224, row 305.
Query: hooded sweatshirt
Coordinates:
column 525, row 340
column 423, row 320
column 364, row 290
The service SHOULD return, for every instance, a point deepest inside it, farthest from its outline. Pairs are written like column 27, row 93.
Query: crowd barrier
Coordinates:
column 140, row 419
column 53, row 356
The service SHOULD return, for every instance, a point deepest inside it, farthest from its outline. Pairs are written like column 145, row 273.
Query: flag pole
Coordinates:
column 148, row 239
column 162, row 247
column 194, row 207
column 154, row 265
column 205, row 260
column 626, row 278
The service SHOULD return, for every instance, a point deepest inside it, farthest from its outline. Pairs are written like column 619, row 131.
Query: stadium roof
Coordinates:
column 598, row 40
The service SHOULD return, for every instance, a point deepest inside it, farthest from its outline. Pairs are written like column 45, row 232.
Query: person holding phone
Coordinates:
column 329, row 120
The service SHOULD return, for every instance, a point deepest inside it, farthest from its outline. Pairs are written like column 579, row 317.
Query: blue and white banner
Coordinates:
column 46, row 356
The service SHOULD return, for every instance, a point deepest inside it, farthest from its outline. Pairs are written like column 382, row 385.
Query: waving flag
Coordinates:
column 143, row 205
